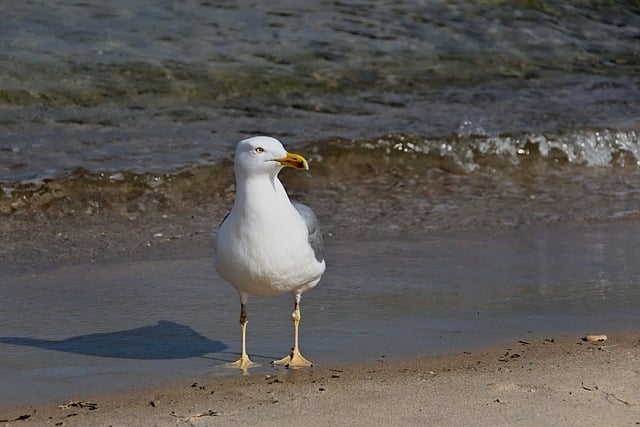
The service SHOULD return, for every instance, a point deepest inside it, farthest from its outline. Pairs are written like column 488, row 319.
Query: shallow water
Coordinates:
column 131, row 86
column 90, row 328
column 414, row 116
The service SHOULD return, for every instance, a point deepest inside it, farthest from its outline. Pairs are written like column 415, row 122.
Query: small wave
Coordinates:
column 597, row 148
column 470, row 151
column 404, row 168
column 603, row 147
column 128, row 193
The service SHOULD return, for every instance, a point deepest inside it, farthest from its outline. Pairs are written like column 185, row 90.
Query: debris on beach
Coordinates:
column 18, row 418
column 595, row 338
column 78, row 404
column 209, row 413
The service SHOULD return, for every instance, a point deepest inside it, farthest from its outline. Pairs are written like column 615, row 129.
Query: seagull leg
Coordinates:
column 244, row 362
column 294, row 359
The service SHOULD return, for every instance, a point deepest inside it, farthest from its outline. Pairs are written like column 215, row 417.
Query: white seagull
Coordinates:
column 267, row 244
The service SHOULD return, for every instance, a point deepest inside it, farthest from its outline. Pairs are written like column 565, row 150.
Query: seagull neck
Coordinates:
column 254, row 188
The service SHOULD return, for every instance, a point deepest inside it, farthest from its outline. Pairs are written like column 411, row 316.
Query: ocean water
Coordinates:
column 155, row 87
column 442, row 99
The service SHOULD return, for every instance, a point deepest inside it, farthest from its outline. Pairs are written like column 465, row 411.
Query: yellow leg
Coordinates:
column 294, row 359
column 244, row 362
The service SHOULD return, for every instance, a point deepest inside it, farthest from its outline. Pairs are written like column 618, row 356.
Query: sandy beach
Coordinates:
column 143, row 340
column 533, row 381
column 474, row 166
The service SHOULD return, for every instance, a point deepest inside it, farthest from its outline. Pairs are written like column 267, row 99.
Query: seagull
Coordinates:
column 267, row 244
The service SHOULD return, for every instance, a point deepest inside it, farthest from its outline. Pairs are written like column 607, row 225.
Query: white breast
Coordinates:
column 262, row 247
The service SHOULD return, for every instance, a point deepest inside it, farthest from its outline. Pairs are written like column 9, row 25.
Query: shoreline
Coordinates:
column 115, row 323
column 531, row 381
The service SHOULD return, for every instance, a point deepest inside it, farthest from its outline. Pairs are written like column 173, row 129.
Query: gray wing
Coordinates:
column 315, row 235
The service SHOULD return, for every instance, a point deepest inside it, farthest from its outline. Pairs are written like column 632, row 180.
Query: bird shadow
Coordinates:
column 165, row 340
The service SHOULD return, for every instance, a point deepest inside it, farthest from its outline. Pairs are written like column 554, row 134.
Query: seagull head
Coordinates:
column 264, row 155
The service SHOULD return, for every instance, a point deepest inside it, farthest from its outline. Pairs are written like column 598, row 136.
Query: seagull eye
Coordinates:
column 259, row 150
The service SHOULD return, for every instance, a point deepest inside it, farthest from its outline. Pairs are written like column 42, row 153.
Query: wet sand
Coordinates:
column 117, row 325
column 541, row 381
column 135, row 323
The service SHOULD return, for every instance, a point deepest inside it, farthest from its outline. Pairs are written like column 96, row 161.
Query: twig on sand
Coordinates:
column 78, row 404
column 18, row 418
column 611, row 396
column 584, row 387
column 209, row 413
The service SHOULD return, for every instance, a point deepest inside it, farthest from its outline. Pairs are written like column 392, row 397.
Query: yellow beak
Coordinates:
column 294, row 161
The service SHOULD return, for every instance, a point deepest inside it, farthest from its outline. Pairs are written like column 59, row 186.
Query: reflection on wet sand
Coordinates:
column 78, row 326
